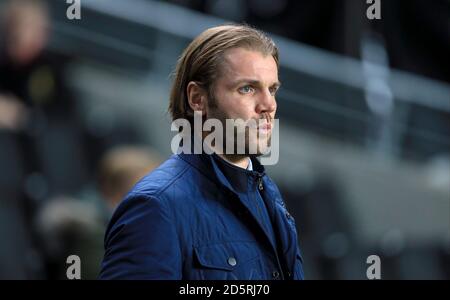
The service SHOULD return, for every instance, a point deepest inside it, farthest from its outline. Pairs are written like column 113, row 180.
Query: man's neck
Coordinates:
column 241, row 161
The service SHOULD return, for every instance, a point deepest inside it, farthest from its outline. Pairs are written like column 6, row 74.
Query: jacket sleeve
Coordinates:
column 141, row 242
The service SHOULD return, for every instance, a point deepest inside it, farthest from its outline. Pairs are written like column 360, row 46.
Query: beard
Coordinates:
column 244, row 136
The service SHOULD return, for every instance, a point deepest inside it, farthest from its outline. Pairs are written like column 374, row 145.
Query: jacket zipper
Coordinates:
column 261, row 187
column 260, row 184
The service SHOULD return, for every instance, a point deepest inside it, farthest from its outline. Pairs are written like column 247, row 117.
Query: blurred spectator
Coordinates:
column 25, row 31
column 39, row 135
column 75, row 226
column 23, row 34
column 12, row 112
column 120, row 169
column 68, row 226
column 24, row 28
column 34, row 99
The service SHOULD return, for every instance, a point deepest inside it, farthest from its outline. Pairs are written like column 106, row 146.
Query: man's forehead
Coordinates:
column 244, row 63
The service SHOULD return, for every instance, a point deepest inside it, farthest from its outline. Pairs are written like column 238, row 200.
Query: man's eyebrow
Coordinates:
column 253, row 81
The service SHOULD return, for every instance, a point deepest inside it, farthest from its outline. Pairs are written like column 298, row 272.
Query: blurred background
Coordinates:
column 364, row 126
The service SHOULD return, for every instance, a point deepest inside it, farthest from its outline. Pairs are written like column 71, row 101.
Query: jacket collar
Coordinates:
column 215, row 167
column 221, row 171
column 234, row 177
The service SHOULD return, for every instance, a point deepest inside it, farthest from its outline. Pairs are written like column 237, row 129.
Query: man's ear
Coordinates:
column 197, row 97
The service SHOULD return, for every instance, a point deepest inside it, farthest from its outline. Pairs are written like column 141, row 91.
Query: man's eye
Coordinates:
column 273, row 91
column 246, row 89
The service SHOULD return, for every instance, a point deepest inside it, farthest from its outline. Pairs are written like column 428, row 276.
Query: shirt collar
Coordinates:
column 250, row 165
column 236, row 178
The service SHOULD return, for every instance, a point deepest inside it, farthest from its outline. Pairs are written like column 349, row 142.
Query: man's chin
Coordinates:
column 262, row 146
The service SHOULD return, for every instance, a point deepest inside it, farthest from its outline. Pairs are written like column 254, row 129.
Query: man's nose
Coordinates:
column 266, row 103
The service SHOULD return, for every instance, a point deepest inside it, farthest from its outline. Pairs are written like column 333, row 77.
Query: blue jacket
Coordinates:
column 195, row 217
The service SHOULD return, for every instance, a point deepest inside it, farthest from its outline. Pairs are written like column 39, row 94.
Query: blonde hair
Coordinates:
column 201, row 60
column 121, row 167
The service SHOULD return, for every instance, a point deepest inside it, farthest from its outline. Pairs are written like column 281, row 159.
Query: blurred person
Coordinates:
column 13, row 114
column 69, row 226
column 26, row 24
column 38, row 129
column 119, row 170
column 211, row 216
column 24, row 35
column 33, row 95
column 75, row 226
column 35, row 101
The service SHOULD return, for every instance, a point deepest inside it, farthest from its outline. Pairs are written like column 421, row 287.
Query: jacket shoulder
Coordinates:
column 158, row 180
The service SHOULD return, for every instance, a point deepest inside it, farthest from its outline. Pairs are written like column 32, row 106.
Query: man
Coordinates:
column 211, row 216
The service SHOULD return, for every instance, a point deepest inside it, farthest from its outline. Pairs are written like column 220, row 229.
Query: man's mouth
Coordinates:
column 266, row 127
column 262, row 125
